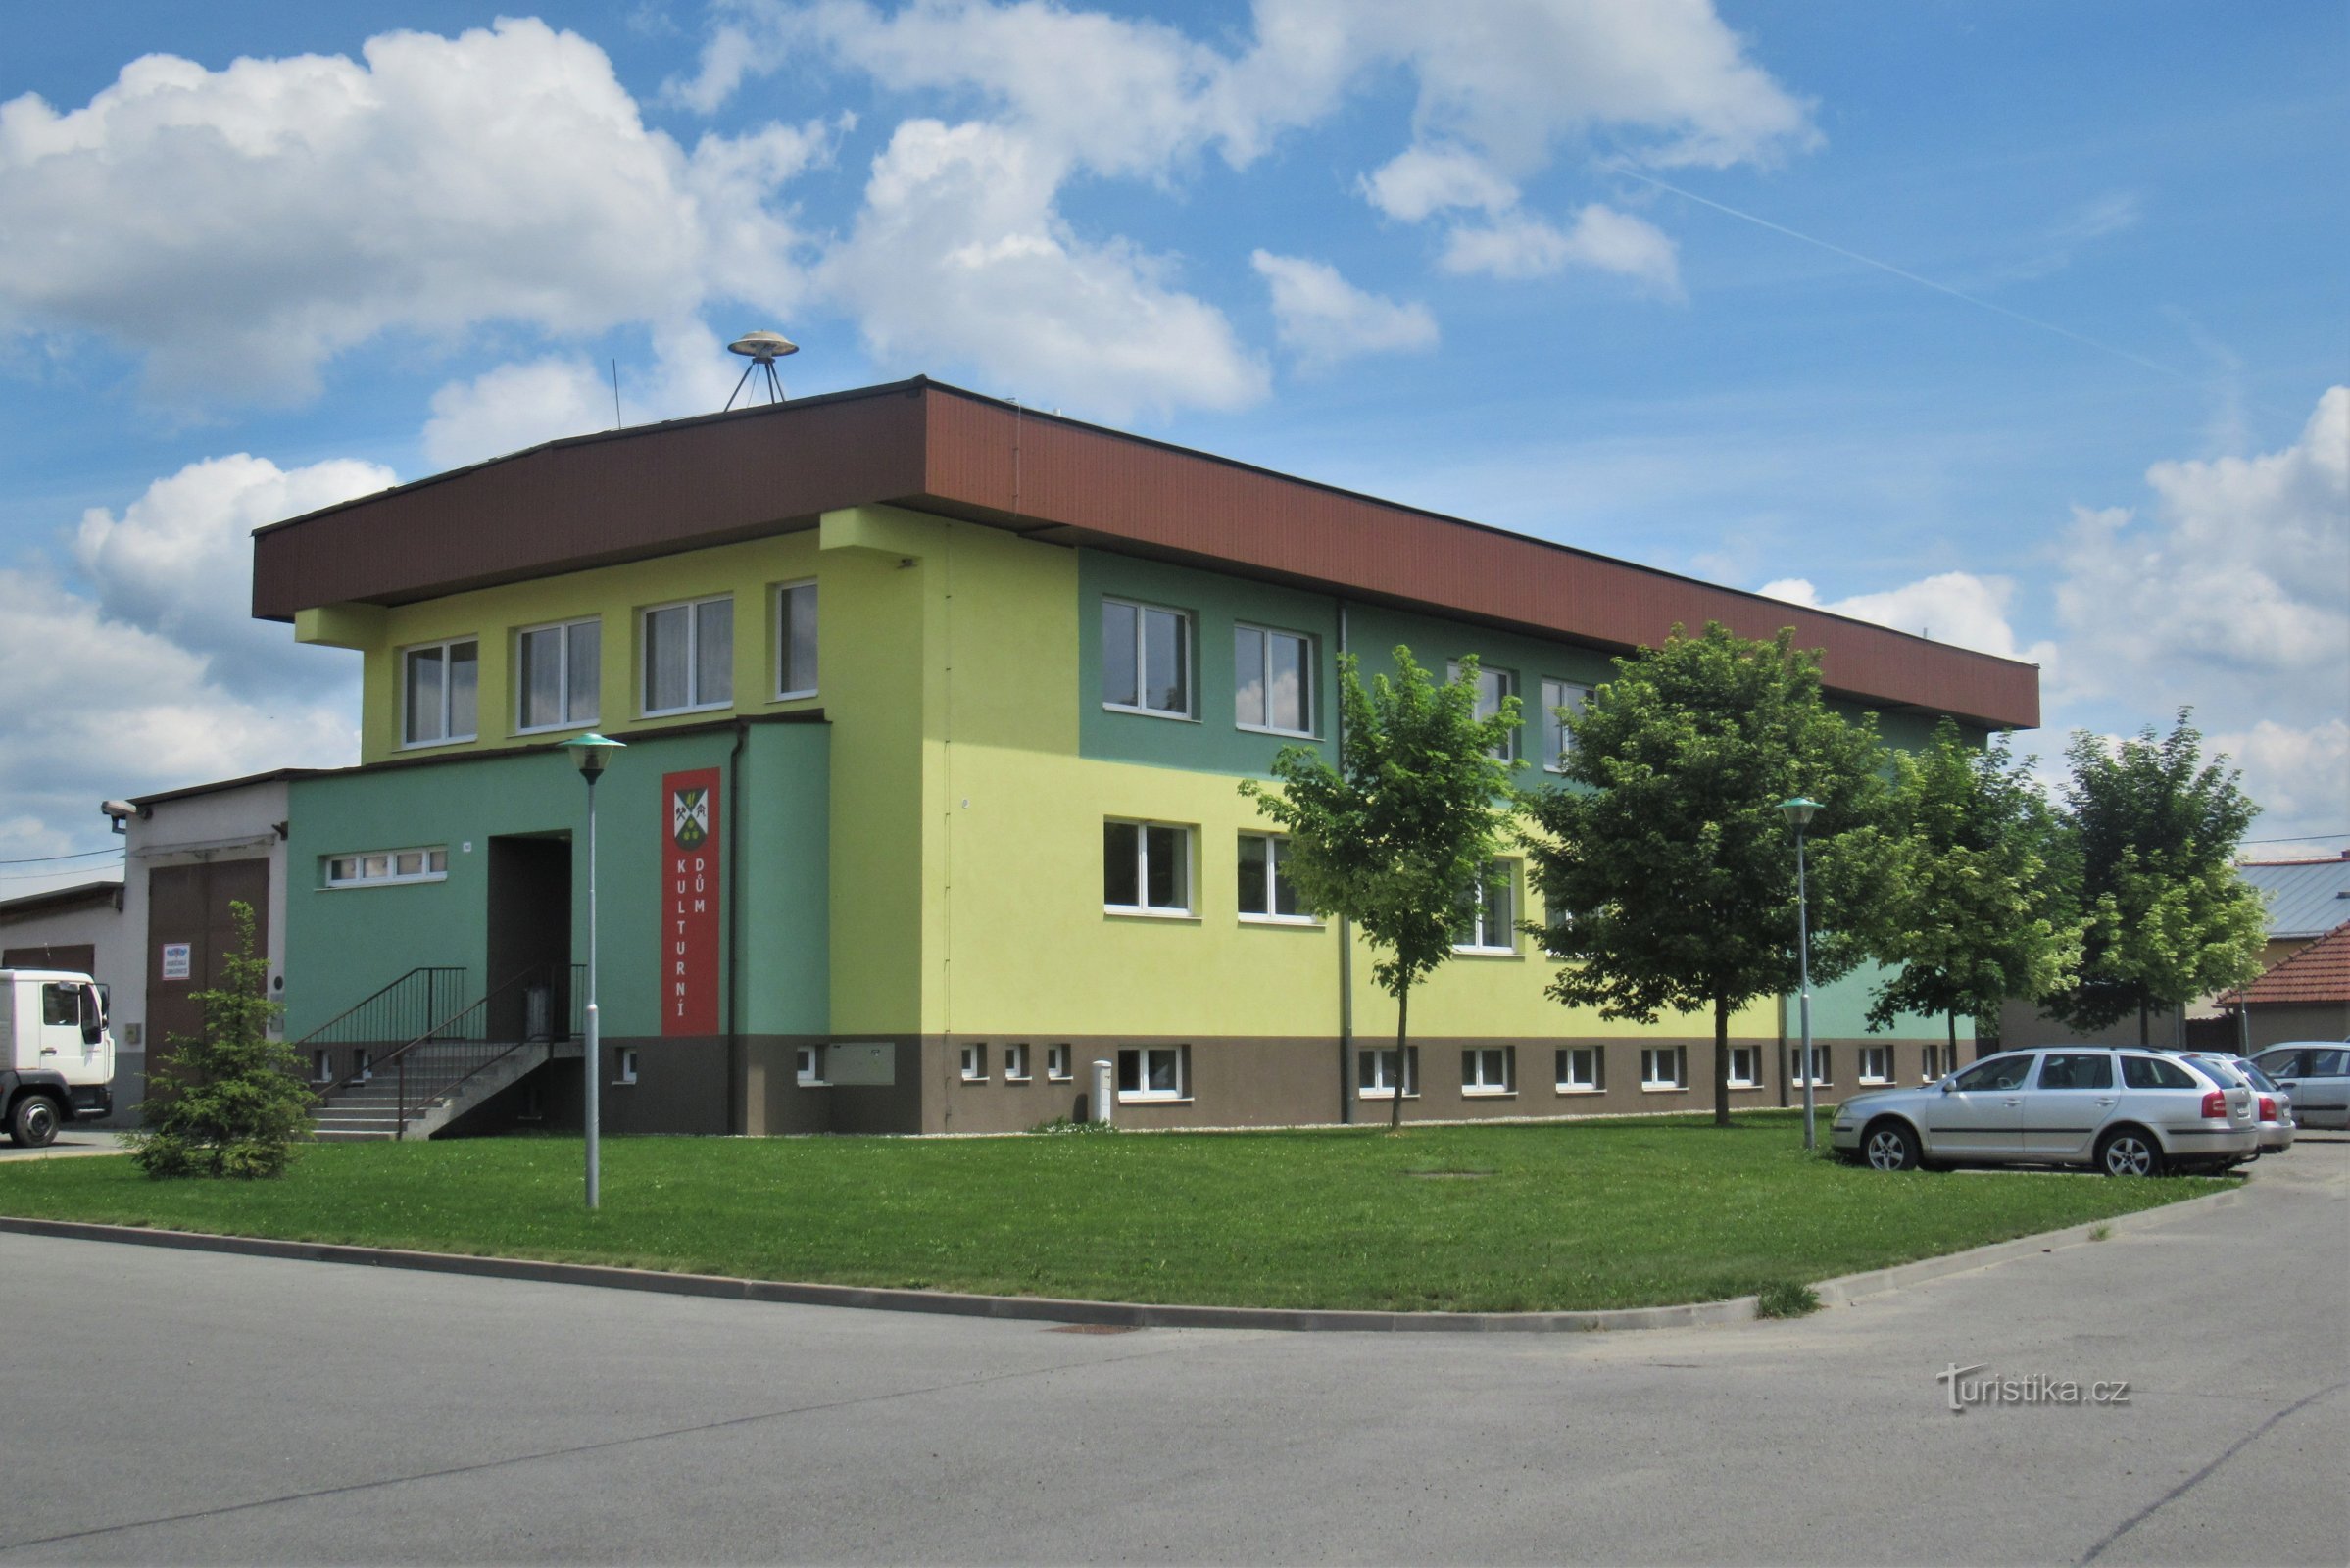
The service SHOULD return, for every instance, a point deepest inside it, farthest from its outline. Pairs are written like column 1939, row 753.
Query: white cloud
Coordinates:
column 1323, row 319
column 959, row 253
column 2296, row 775
column 2231, row 597
column 240, row 228
column 1952, row 607
column 95, row 706
column 178, row 564
column 1422, row 181
column 518, row 405
column 1515, row 245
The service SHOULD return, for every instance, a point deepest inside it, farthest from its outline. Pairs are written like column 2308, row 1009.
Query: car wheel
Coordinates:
column 2129, row 1153
column 35, row 1123
column 1890, row 1146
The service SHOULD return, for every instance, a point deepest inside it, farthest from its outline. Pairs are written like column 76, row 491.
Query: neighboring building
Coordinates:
column 2306, row 899
column 936, row 711
column 2307, row 997
column 77, row 928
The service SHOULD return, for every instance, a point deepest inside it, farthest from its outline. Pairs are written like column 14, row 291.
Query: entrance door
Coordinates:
column 530, row 935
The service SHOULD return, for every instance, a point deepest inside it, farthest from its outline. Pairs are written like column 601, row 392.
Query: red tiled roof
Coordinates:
column 2318, row 972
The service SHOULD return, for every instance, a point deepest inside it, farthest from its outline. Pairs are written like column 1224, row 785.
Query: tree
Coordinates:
column 228, row 1102
column 1403, row 831
column 1982, row 909
column 1668, row 873
column 2154, row 834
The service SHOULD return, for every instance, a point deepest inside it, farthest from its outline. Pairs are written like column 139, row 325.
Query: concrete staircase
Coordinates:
column 443, row 1084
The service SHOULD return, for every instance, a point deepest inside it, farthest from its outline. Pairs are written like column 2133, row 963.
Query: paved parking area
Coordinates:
column 195, row 1407
column 70, row 1141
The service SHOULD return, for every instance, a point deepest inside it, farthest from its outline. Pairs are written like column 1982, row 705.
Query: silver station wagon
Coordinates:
column 2124, row 1112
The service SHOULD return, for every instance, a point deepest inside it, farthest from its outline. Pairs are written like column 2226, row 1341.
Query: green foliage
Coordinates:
column 2153, row 836
column 228, row 1102
column 1403, row 831
column 1786, row 1299
column 1982, row 909
column 1069, row 1127
column 1666, row 867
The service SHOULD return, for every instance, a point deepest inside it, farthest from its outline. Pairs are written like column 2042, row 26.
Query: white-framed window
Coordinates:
column 1154, row 1073
column 1875, row 1064
column 1272, row 680
column 1745, row 1066
column 322, row 1066
column 1485, row 924
column 1664, row 1068
column 1146, row 659
column 1375, row 1072
column 1582, row 1069
column 689, row 655
column 558, row 675
column 795, row 640
column 1015, row 1063
column 377, row 868
column 1490, row 1070
column 807, row 1066
column 1056, row 1063
column 1934, row 1066
column 1556, row 741
column 1264, row 883
column 440, row 690
column 625, row 1065
column 1145, row 868
column 363, row 1064
column 1492, row 685
column 974, row 1062
column 1821, row 1062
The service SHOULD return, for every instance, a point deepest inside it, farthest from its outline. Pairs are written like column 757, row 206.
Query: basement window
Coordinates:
column 1664, row 1068
column 625, row 1065
column 1056, row 1063
column 1745, row 1066
column 376, row 867
column 1154, row 1073
column 1580, row 1070
column 808, row 1067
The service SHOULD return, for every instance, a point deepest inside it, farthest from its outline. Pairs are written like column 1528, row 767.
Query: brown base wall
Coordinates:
column 683, row 1086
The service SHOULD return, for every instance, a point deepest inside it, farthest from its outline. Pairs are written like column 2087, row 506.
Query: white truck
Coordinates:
column 57, row 1056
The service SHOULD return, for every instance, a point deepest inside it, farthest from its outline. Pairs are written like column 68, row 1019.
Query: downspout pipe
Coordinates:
column 1337, row 728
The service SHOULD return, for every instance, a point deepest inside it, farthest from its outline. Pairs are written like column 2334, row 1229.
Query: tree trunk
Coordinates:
column 2142, row 1028
column 1720, row 1061
column 1950, row 1061
column 1395, row 1113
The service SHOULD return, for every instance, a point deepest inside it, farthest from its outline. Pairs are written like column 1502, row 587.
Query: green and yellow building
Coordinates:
column 935, row 710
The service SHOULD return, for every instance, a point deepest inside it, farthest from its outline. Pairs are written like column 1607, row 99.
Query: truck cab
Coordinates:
column 57, row 1053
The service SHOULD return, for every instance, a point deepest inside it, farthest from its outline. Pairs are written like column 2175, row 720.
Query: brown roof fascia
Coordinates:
column 63, row 900
column 692, row 483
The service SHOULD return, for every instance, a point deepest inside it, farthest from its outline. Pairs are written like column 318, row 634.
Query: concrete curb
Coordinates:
column 1841, row 1291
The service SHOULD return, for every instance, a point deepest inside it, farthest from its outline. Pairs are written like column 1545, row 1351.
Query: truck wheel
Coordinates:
column 35, row 1123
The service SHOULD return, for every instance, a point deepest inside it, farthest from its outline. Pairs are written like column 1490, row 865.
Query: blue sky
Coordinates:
column 2024, row 325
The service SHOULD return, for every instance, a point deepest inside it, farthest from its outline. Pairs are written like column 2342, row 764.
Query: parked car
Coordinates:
column 2124, row 1112
column 2317, row 1074
column 2275, row 1107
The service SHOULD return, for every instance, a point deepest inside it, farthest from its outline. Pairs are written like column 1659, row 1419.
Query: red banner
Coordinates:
column 689, row 885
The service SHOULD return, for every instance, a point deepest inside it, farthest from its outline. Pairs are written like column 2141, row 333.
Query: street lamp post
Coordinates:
column 1799, row 811
column 592, row 751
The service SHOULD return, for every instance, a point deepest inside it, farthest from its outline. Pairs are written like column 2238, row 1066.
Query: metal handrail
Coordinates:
column 446, row 1032
column 391, row 1013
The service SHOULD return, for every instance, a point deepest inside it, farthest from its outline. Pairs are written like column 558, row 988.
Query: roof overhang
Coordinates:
column 689, row 484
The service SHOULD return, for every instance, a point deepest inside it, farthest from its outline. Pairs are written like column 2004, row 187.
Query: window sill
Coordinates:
column 680, row 713
column 1578, row 1089
column 812, row 1083
column 553, row 729
column 1487, row 1094
column 427, row 745
column 1278, row 734
column 1486, row 953
column 1058, row 1078
column 1021, row 1078
column 966, row 1078
column 1383, row 1093
column 1737, row 1088
column 1123, row 911
column 793, row 697
column 1664, row 1089
column 1296, row 922
column 1878, row 1083
column 1125, row 1098
column 1150, row 713
column 384, row 882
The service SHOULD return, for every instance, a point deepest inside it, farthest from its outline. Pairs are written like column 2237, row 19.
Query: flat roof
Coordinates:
column 690, row 485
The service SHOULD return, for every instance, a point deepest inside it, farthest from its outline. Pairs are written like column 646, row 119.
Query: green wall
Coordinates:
column 344, row 943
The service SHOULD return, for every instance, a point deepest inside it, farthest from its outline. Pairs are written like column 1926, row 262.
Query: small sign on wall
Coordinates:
column 177, row 960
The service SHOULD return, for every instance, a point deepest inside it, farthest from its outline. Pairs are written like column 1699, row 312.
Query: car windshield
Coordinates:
column 2226, row 1074
column 2256, row 1078
column 2000, row 1073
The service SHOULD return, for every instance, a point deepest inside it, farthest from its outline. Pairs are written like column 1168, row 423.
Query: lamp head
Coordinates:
column 591, row 752
column 1799, row 810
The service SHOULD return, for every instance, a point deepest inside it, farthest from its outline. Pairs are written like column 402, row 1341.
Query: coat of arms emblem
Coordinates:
column 689, row 817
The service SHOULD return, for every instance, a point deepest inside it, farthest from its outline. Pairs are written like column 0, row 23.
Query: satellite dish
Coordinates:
column 762, row 350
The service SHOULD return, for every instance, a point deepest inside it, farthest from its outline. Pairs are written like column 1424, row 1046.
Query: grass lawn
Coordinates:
column 1508, row 1219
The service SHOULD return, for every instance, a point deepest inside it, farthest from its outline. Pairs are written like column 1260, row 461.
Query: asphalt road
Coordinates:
column 192, row 1407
